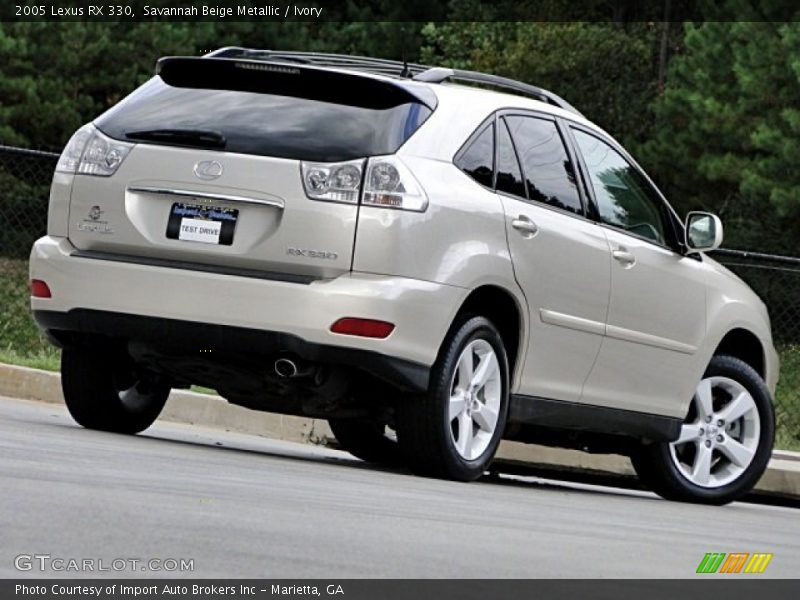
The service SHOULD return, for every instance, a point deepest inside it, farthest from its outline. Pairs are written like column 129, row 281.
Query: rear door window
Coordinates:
column 548, row 171
column 509, row 175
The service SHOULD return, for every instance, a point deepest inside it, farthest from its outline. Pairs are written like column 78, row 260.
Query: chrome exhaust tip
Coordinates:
column 285, row 368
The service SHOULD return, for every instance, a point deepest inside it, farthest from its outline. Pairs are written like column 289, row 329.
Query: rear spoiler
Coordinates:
column 298, row 81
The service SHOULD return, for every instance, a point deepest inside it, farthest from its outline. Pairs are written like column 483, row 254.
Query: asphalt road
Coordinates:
column 242, row 506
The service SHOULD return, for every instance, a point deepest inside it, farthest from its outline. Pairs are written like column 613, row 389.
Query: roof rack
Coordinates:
column 439, row 74
column 395, row 68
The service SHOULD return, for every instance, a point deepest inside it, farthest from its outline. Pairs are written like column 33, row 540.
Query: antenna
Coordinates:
column 405, row 72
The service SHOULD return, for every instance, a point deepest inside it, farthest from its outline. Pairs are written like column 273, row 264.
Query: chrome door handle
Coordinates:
column 524, row 225
column 627, row 259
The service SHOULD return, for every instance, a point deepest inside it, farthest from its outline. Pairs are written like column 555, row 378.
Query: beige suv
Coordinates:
column 431, row 267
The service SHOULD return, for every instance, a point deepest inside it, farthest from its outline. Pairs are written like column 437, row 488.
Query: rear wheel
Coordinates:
column 370, row 440
column 725, row 441
column 454, row 430
column 104, row 389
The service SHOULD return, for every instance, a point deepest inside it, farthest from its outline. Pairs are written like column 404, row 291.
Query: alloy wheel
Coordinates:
column 719, row 438
column 475, row 395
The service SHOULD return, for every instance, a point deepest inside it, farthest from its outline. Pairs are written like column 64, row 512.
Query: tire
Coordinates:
column 432, row 443
column 104, row 390
column 366, row 439
column 725, row 441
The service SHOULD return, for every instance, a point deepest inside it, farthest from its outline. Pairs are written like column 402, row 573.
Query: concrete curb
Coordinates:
column 182, row 407
column 781, row 479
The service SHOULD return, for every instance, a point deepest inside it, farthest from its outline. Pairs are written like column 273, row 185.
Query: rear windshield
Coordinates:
column 264, row 124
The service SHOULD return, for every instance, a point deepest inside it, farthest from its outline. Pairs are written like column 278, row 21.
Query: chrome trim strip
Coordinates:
column 646, row 339
column 191, row 266
column 205, row 196
column 618, row 333
column 570, row 322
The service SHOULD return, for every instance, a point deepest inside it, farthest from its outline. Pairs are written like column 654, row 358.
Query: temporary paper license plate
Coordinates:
column 206, row 224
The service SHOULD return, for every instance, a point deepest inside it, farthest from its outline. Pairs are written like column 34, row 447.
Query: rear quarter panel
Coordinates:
column 460, row 239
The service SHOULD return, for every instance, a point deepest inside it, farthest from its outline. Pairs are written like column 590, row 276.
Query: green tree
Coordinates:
column 772, row 79
column 607, row 71
column 727, row 130
column 55, row 77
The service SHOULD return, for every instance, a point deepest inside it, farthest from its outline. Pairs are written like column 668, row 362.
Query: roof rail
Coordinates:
column 395, row 68
column 439, row 74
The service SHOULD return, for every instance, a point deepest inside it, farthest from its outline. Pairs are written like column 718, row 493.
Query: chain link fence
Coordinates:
column 777, row 280
column 24, row 191
column 24, row 188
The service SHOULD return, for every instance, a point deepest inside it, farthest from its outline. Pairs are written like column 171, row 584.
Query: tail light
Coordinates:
column 333, row 182
column 39, row 289
column 363, row 327
column 388, row 183
column 90, row 152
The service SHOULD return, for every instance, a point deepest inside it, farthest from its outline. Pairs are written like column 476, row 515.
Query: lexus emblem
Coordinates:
column 208, row 169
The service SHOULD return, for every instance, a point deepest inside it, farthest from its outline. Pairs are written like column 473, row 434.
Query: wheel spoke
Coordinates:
column 738, row 453
column 486, row 368
column 457, row 405
column 465, row 370
column 738, row 407
column 464, row 443
column 690, row 432
column 486, row 418
column 703, row 399
column 701, row 470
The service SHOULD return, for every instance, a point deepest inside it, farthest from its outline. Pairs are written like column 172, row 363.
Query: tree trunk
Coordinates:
column 662, row 54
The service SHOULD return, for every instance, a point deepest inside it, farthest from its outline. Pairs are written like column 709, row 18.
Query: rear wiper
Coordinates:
column 181, row 137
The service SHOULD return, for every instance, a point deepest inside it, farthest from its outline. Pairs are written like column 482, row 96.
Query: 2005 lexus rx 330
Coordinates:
column 431, row 267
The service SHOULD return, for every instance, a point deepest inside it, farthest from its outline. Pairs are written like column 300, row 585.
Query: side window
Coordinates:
column 548, row 172
column 477, row 160
column 624, row 198
column 509, row 176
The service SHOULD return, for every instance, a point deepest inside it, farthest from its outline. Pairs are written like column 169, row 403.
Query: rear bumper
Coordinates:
column 223, row 340
column 201, row 310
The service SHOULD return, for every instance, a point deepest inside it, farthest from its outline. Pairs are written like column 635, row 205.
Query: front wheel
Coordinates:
column 454, row 430
column 725, row 442
column 104, row 389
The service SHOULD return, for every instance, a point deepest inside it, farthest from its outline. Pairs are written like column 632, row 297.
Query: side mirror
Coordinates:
column 703, row 231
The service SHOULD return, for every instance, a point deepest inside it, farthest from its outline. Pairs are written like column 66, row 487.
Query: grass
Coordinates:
column 18, row 333
column 203, row 390
column 787, row 399
column 47, row 360
column 21, row 344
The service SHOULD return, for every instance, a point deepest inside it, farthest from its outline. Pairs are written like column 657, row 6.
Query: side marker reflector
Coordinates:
column 39, row 289
column 363, row 327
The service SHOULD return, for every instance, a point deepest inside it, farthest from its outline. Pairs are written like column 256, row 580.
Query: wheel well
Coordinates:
column 743, row 345
column 501, row 309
